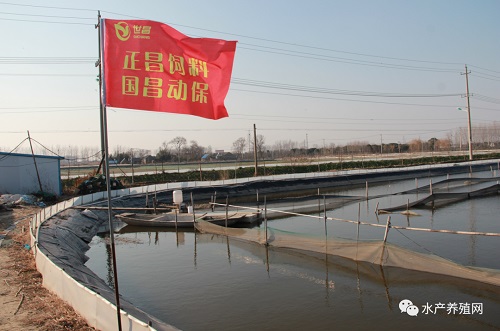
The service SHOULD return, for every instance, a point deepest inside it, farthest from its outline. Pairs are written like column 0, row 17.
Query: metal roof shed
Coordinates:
column 18, row 173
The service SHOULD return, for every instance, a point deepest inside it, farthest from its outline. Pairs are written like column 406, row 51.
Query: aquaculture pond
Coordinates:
column 210, row 282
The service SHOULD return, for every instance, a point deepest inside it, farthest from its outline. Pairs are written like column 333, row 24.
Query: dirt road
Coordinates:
column 24, row 303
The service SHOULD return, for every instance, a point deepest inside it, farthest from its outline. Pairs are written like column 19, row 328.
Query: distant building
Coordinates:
column 148, row 159
column 219, row 156
column 19, row 175
column 205, row 158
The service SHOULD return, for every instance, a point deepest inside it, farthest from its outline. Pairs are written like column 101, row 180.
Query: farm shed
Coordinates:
column 18, row 173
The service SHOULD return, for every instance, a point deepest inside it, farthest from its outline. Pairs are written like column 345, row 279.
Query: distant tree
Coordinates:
column 416, row 145
column 239, row 146
column 163, row 154
column 261, row 140
column 178, row 143
column 195, row 151
column 432, row 143
column 443, row 144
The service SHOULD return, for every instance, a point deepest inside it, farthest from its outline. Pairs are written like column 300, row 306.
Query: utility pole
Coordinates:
column 469, row 126
column 255, row 149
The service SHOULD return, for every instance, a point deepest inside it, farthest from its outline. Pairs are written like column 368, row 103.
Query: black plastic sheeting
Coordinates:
column 65, row 238
column 286, row 188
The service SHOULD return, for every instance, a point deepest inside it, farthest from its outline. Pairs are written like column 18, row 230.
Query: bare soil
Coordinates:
column 24, row 303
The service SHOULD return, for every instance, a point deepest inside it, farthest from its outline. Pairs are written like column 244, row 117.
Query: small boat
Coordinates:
column 184, row 220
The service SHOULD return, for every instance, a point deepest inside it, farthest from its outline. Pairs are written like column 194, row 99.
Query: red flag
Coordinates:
column 151, row 66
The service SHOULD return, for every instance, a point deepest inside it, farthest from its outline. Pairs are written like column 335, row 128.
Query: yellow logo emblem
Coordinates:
column 122, row 31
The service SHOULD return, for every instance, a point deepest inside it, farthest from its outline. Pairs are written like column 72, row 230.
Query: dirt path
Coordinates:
column 24, row 303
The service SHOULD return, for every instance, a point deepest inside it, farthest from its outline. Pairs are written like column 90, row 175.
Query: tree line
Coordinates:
column 179, row 150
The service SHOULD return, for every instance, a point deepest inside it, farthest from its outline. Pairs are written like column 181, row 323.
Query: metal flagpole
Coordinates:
column 104, row 136
column 98, row 64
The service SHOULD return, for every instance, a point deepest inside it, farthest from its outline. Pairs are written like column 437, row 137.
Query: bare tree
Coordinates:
column 239, row 146
column 416, row 145
column 283, row 148
column 195, row 151
column 178, row 143
column 163, row 154
column 261, row 140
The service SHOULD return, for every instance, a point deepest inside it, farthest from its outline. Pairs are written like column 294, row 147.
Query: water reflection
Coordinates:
column 231, row 284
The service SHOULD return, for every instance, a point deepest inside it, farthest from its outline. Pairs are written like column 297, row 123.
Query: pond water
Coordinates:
column 208, row 282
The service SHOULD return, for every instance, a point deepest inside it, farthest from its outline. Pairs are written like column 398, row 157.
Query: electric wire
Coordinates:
column 12, row 151
column 237, row 35
column 39, row 21
column 47, row 7
column 298, row 88
column 290, row 87
column 339, row 99
column 49, row 16
column 352, row 61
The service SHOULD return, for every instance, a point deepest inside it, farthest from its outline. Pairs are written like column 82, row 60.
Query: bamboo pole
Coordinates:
column 265, row 217
column 359, row 218
column 194, row 216
column 176, row 220
column 324, row 216
column 387, row 226
column 227, row 209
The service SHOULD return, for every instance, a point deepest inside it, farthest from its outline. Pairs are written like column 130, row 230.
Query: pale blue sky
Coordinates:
column 301, row 69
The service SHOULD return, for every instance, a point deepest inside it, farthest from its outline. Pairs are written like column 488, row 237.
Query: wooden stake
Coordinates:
column 324, row 216
column 265, row 217
column 34, row 161
column 387, row 226
column 194, row 217
column 227, row 208
column 359, row 217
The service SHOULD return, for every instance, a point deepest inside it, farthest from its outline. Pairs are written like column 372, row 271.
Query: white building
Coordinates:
column 18, row 173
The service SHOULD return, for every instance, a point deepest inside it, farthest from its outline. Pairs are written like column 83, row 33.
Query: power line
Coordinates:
column 340, row 99
column 47, row 60
column 335, row 91
column 308, row 46
column 350, row 61
column 62, row 109
column 237, row 35
column 470, row 65
column 48, row 75
column 370, row 120
column 401, row 123
column 50, row 16
column 47, row 7
column 15, row 148
column 38, row 21
column 486, row 98
column 288, row 52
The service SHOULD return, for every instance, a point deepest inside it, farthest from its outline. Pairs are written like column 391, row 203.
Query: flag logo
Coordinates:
column 122, row 31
